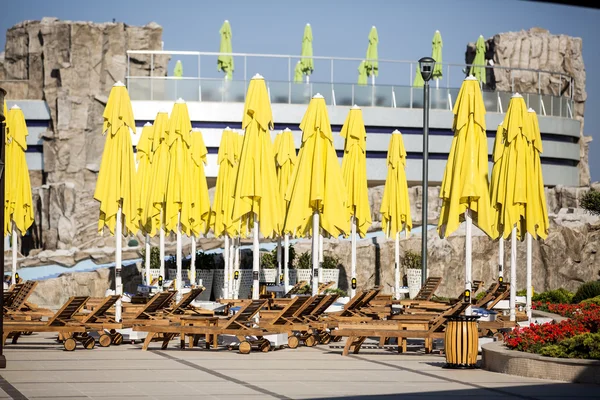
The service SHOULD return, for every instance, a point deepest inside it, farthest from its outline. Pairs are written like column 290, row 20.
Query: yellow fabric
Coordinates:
column 354, row 170
column 465, row 182
column 143, row 179
column 18, row 204
column 222, row 208
column 159, row 173
column 255, row 190
column 285, row 162
column 180, row 186
column 495, row 194
column 201, row 206
column 115, row 186
column 536, row 211
column 317, row 183
column 395, row 204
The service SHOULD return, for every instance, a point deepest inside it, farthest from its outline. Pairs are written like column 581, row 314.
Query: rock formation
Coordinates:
column 538, row 49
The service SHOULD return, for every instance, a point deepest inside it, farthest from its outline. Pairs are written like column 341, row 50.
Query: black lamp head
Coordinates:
column 426, row 65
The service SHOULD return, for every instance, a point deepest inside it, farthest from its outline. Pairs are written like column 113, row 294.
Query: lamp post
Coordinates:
column 426, row 65
column 2, row 194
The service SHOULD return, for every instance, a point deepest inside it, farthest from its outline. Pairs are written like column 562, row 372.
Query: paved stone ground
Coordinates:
column 38, row 368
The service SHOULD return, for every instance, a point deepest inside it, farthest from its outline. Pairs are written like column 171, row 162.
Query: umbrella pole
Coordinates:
column 501, row 258
column 286, row 262
column 236, row 266
column 118, row 266
column 179, row 254
column 397, row 262
column 255, row 259
column 230, row 268
column 226, row 264
column 468, row 255
column 528, row 278
column 315, row 254
column 161, row 244
column 147, row 261
column 353, row 255
column 513, row 273
column 320, row 257
column 15, row 244
column 193, row 262
column 279, row 261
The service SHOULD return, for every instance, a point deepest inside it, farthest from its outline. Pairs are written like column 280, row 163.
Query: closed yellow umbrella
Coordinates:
column 115, row 188
column 180, row 186
column 495, row 195
column 18, row 201
column 144, row 176
column 255, row 194
column 316, row 192
column 395, row 204
column 354, row 172
column 465, row 188
column 285, row 162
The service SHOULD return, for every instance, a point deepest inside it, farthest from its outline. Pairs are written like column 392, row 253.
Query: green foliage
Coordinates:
column 522, row 292
column 337, row 291
column 306, row 289
column 304, row 261
column 586, row 345
column 587, row 291
column 330, row 262
column 557, row 296
column 205, row 261
column 480, row 295
column 154, row 257
column 593, row 300
column 591, row 202
column 411, row 260
column 268, row 260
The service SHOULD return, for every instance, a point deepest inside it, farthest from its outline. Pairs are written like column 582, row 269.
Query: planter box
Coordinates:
column 292, row 276
column 332, row 275
column 413, row 276
column 304, row 275
column 206, row 275
column 244, row 284
column 268, row 275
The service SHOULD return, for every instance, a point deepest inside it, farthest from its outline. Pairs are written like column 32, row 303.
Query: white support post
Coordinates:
column 230, row 268
column 397, row 266
column 161, row 245
column 236, row 264
column 147, row 261
column 286, row 263
column 513, row 274
column 501, row 258
column 118, row 264
column 468, row 255
column 178, row 284
column 226, row 260
column 315, row 254
column 528, row 278
column 320, row 256
column 255, row 259
column 279, row 261
column 15, row 245
column 193, row 263
column 353, row 254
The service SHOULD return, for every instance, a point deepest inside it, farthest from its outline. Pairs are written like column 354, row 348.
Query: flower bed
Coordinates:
column 576, row 337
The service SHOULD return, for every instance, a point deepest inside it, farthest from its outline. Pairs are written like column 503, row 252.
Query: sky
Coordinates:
column 340, row 28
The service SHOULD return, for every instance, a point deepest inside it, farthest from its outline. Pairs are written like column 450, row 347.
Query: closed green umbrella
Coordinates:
column 362, row 73
column 371, row 64
column 436, row 54
column 298, row 72
column 478, row 67
column 178, row 71
column 418, row 82
column 306, row 62
column 225, row 61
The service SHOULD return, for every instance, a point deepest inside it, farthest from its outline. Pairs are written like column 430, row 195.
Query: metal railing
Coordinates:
column 335, row 81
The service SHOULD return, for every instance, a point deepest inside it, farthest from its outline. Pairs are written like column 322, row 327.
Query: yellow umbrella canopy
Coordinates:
column 317, row 183
column 354, row 169
column 465, row 183
column 159, row 172
column 143, row 177
column 536, row 211
column 285, row 162
column 18, row 206
column 201, row 207
column 498, row 153
column 255, row 190
column 395, row 204
column 222, row 208
column 180, row 186
column 115, row 186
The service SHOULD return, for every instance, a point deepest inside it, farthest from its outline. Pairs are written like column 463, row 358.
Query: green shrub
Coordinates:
column 480, row 295
column 205, row 261
column 591, row 202
column 587, row 291
column 330, row 262
column 304, row 261
column 586, row 345
column 522, row 292
column 306, row 289
column 557, row 296
column 268, row 260
column 154, row 257
column 593, row 300
column 337, row 291
column 411, row 259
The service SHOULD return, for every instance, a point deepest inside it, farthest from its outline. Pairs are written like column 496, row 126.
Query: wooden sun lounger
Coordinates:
column 430, row 329
column 16, row 306
column 62, row 322
column 295, row 289
column 185, row 307
column 241, row 325
column 103, row 323
column 356, row 309
column 151, row 312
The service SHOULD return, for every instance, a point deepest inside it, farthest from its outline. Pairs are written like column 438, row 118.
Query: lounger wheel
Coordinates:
column 293, row 342
column 70, row 344
column 89, row 343
column 325, row 337
column 245, row 347
column 499, row 336
column 117, row 339
column 105, row 340
column 310, row 341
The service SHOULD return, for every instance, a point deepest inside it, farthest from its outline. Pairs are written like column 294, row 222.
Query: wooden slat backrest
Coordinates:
column 103, row 307
column 428, row 289
column 325, row 304
column 500, row 294
column 489, row 295
column 186, row 300
column 310, row 306
column 245, row 314
column 296, row 288
column 12, row 293
column 369, row 295
column 440, row 319
column 354, row 303
column 66, row 312
column 156, row 303
column 324, row 286
column 291, row 308
column 23, row 294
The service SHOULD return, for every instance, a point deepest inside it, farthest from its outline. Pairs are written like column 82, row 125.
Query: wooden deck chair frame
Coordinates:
column 150, row 313
column 296, row 288
column 103, row 323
